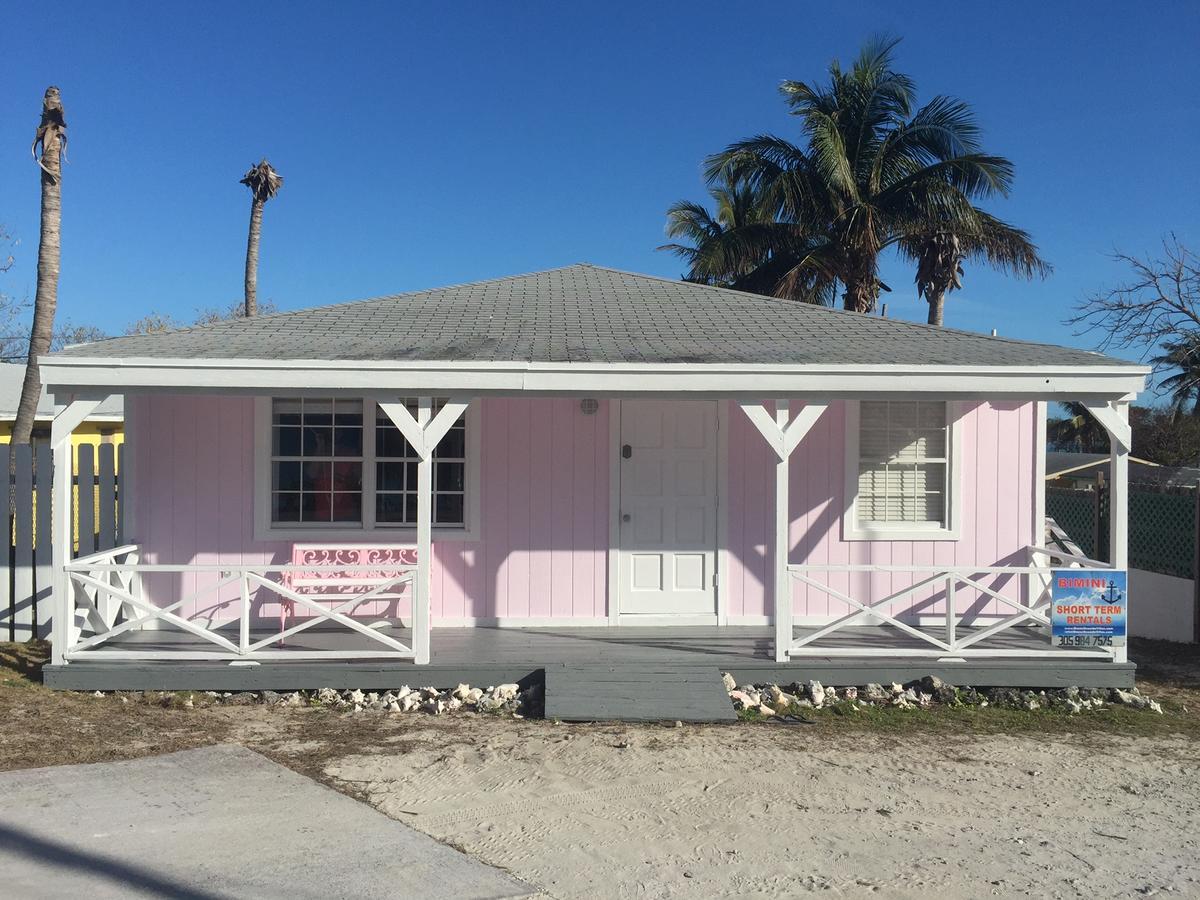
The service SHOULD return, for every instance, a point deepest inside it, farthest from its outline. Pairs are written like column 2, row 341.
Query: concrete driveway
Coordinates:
column 215, row 823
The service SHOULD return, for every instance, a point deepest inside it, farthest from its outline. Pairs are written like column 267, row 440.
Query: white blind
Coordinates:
column 902, row 465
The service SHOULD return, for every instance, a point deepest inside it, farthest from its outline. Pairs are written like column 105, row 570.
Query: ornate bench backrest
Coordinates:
column 390, row 558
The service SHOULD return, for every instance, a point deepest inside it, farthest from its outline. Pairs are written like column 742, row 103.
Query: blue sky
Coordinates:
column 438, row 143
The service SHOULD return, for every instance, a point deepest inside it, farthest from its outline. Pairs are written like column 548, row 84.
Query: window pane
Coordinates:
column 389, row 442
column 286, row 442
column 410, row 507
column 448, row 509
column 347, row 476
column 389, row 476
column 347, row 441
column 285, row 412
column 389, row 507
column 449, row 476
column 347, row 507
column 318, row 412
column 315, row 507
column 285, row 507
column 317, row 441
column 287, row 476
column 453, row 445
column 318, row 476
column 348, row 412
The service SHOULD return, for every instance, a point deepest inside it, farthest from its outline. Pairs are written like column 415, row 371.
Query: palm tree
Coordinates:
column 264, row 182
column 51, row 140
column 940, row 253
column 1184, row 385
column 872, row 173
column 740, row 245
column 1077, row 431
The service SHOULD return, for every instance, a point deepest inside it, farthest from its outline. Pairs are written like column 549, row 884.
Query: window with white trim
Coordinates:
column 343, row 463
column 903, row 465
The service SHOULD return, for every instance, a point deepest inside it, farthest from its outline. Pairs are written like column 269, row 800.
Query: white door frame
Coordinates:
column 721, row 555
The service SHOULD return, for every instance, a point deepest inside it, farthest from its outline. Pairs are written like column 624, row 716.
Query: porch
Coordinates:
column 481, row 655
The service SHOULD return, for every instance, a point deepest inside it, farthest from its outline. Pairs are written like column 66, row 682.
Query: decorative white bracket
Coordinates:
column 70, row 417
column 1117, row 425
column 783, row 439
column 424, row 438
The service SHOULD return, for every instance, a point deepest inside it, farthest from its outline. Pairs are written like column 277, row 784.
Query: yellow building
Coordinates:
column 105, row 426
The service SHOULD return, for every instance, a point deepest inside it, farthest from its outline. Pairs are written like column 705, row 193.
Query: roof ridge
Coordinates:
column 818, row 307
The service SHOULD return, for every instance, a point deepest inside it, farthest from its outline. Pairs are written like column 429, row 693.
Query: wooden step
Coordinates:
column 630, row 692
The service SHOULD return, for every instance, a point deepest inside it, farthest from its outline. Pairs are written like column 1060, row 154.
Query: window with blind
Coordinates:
column 343, row 463
column 903, row 476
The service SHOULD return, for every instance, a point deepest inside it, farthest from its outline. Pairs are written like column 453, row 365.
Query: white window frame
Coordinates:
column 854, row 530
column 267, row 530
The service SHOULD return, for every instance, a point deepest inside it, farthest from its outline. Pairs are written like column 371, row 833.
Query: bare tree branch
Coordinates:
column 1159, row 304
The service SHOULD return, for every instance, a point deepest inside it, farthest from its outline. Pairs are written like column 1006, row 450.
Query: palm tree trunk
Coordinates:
column 937, row 306
column 46, row 300
column 862, row 285
column 256, row 212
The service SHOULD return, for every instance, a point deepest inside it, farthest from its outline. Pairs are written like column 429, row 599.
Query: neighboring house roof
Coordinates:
column 1064, row 464
column 12, row 378
column 587, row 314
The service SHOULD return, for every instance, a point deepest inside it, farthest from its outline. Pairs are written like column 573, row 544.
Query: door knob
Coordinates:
column 626, row 451
column 625, row 517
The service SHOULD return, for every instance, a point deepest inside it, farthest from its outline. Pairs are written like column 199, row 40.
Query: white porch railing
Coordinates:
column 106, row 599
column 957, row 633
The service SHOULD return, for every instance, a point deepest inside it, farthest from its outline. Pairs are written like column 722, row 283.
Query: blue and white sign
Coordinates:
column 1088, row 608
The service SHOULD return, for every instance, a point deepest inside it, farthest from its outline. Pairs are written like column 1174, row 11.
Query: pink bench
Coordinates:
column 337, row 585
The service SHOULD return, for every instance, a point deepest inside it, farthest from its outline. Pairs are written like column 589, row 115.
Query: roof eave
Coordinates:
column 91, row 376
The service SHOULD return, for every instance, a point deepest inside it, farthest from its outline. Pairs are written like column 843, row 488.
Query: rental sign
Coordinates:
column 1088, row 608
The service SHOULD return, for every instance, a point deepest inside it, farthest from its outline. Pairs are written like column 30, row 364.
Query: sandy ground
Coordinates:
column 776, row 812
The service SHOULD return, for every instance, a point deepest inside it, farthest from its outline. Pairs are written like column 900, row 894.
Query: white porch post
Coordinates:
column 783, row 583
column 1114, row 416
column 423, row 433
column 1118, row 509
column 783, row 434
column 424, row 538
column 66, row 418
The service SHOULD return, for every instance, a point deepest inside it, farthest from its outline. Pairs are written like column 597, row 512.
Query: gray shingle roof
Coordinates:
column 585, row 313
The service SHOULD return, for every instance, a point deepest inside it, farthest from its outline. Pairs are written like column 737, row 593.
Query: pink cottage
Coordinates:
column 579, row 467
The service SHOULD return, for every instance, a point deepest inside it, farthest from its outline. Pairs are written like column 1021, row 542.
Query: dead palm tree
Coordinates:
column 51, row 140
column 940, row 253
column 264, row 182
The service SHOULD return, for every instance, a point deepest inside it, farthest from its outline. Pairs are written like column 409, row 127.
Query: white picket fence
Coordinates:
column 25, row 574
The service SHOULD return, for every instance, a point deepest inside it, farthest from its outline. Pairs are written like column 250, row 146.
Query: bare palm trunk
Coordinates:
column 937, row 306
column 256, row 211
column 263, row 182
column 51, row 135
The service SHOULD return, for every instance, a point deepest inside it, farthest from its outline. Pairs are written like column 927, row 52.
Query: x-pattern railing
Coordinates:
column 953, row 638
column 108, row 601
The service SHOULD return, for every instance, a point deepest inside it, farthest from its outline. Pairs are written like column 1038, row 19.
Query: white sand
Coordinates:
column 773, row 812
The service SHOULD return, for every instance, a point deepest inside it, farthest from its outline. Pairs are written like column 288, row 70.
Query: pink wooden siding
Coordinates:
column 996, row 480
column 544, row 506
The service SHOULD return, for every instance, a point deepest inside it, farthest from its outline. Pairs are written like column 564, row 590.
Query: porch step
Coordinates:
column 636, row 693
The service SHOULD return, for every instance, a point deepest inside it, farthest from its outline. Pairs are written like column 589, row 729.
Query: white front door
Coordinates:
column 668, row 510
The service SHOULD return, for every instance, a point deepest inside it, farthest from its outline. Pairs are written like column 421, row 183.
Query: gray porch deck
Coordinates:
column 489, row 655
